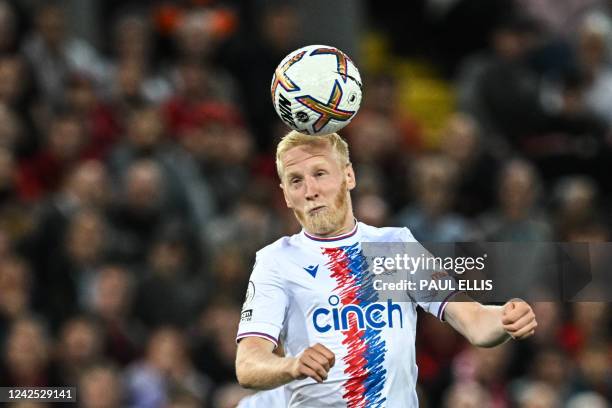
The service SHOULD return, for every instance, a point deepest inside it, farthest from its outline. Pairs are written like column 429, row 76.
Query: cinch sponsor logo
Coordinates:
column 373, row 316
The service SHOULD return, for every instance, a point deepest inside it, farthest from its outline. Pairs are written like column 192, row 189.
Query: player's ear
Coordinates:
column 285, row 195
column 351, row 182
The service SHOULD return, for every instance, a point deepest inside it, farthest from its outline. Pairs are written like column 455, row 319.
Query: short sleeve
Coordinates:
column 263, row 312
column 432, row 301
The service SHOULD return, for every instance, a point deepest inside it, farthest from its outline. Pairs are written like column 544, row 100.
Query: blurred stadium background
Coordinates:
column 137, row 180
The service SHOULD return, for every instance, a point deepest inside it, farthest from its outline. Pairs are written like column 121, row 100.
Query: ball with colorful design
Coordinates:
column 316, row 90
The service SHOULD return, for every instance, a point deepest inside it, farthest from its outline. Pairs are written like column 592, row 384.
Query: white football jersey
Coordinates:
column 306, row 290
column 275, row 398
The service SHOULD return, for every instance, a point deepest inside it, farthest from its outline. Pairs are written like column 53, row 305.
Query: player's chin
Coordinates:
column 320, row 223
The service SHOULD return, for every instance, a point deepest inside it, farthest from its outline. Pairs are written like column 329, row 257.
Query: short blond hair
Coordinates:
column 295, row 139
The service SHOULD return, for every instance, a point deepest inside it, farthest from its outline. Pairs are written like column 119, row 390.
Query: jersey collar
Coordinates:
column 340, row 240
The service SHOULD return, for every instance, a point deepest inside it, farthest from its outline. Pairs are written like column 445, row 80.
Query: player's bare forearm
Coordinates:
column 258, row 367
column 480, row 325
column 489, row 326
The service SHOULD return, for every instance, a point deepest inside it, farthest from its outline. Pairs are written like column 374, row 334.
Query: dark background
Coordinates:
column 137, row 180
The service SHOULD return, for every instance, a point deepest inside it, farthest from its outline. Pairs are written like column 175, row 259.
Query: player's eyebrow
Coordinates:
column 293, row 174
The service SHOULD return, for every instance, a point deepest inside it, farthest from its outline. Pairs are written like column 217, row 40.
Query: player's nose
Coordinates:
column 311, row 187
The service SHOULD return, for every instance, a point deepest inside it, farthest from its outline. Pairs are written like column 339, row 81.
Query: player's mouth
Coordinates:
column 316, row 210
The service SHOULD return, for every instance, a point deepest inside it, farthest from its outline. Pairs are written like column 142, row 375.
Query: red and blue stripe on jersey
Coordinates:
column 366, row 348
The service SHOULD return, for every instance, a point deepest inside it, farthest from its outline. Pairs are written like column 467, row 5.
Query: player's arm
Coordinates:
column 259, row 367
column 489, row 326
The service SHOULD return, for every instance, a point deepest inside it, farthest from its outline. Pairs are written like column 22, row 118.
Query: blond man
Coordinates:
column 344, row 344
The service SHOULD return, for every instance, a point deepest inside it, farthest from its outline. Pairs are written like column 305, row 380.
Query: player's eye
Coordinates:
column 320, row 173
column 295, row 180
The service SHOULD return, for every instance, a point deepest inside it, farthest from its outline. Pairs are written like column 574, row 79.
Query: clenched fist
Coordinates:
column 518, row 319
column 314, row 362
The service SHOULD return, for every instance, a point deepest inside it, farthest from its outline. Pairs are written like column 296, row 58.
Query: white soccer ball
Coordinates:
column 316, row 90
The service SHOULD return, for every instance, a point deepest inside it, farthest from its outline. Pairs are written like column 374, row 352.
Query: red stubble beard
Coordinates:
column 328, row 220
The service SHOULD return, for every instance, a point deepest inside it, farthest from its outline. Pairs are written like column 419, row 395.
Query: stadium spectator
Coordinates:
column 80, row 346
column 467, row 148
column 215, row 323
column 487, row 368
column 15, row 290
column 27, row 355
column 100, row 386
column 26, row 404
column 198, row 38
column 560, row 18
column 467, row 394
column 248, row 217
column 593, row 53
column 376, row 137
column 68, row 277
column 537, row 395
column 587, row 400
column 571, row 138
column 9, row 31
column 548, row 368
column 518, row 216
column 64, row 145
column 15, row 217
column 166, row 369
column 19, row 96
column 97, row 117
column 187, row 191
column 133, row 52
column 594, row 370
column 86, row 187
column 584, row 327
column 577, row 205
column 54, row 55
column 10, row 128
column 139, row 212
column 111, row 303
column 14, row 86
column 222, row 147
column 500, row 88
column 372, row 209
column 252, row 56
column 228, row 266
column 437, row 346
column 86, row 243
column 431, row 218
column 192, row 89
column 170, row 276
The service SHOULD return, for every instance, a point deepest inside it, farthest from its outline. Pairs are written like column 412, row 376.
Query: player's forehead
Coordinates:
column 303, row 156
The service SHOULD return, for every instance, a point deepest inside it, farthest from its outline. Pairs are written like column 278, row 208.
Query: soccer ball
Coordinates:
column 316, row 90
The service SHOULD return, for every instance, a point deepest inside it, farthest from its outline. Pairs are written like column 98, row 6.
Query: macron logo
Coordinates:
column 312, row 269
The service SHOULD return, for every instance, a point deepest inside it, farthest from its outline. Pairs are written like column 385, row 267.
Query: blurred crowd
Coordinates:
column 137, row 181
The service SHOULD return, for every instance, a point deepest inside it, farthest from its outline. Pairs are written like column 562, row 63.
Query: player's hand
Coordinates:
column 314, row 362
column 518, row 319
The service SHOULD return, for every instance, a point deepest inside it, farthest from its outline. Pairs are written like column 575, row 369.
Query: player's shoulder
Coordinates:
column 386, row 234
column 277, row 249
column 272, row 250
